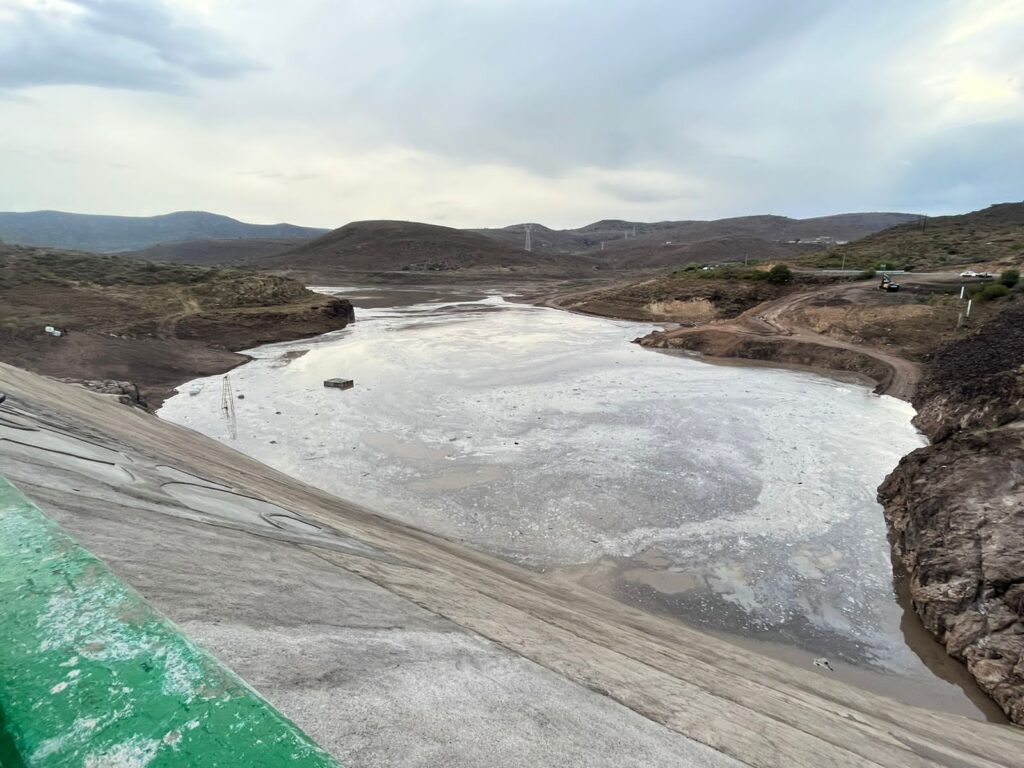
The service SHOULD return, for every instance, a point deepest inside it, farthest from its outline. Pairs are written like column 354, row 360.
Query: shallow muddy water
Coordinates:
column 737, row 499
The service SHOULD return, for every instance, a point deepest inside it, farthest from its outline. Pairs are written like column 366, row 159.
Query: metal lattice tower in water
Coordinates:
column 227, row 405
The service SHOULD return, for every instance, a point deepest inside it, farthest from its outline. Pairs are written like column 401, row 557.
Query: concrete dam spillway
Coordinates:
column 738, row 500
column 388, row 645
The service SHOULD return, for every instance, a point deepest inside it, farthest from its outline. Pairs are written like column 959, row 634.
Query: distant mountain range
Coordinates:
column 105, row 234
column 390, row 246
column 616, row 233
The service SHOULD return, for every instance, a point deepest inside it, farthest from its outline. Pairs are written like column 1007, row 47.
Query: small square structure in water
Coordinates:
column 340, row 383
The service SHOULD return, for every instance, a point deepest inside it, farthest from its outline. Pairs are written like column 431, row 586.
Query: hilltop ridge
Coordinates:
column 991, row 234
column 388, row 246
column 101, row 233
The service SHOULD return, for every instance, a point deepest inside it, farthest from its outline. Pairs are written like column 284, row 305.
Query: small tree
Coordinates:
column 1010, row 278
column 780, row 274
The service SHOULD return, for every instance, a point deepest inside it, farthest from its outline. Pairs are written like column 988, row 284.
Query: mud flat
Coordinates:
column 738, row 500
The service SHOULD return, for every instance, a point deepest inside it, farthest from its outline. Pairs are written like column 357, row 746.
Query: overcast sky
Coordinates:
column 489, row 112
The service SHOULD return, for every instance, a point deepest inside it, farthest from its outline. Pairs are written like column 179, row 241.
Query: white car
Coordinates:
column 968, row 273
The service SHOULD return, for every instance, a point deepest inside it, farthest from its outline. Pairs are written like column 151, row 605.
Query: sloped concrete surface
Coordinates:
column 372, row 677
column 396, row 647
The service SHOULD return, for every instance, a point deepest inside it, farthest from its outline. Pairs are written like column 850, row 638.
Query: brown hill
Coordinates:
column 617, row 233
column 994, row 234
column 404, row 246
column 717, row 250
column 217, row 252
column 153, row 324
column 102, row 234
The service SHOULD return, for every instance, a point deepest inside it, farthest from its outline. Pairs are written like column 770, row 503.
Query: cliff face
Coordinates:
column 956, row 507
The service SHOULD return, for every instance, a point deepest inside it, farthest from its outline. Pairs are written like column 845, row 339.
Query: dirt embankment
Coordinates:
column 686, row 300
column 956, row 507
column 775, row 331
column 141, row 329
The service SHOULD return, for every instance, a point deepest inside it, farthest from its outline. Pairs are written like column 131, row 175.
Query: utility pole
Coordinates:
column 843, row 268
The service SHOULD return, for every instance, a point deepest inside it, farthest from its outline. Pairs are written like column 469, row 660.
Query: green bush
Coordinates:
column 693, row 266
column 780, row 274
column 1010, row 278
column 993, row 291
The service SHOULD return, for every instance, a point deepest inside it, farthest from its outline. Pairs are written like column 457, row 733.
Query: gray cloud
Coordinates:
column 486, row 111
column 131, row 44
column 956, row 169
column 550, row 86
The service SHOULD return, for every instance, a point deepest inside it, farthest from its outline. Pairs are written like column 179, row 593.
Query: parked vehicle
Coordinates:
column 888, row 285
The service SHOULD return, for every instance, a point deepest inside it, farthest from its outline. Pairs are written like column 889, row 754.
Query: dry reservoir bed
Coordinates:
column 738, row 500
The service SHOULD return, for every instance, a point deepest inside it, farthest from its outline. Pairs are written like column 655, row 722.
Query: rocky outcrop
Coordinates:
column 956, row 507
column 127, row 392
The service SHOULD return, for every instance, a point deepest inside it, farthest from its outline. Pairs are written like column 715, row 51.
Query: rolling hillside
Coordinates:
column 403, row 246
column 617, row 233
column 104, row 234
column 217, row 252
column 715, row 250
column 994, row 234
column 156, row 325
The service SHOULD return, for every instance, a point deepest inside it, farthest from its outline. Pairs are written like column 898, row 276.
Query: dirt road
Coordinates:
column 776, row 330
column 776, row 319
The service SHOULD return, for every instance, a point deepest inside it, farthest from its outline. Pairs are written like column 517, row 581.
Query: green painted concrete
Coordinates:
column 91, row 675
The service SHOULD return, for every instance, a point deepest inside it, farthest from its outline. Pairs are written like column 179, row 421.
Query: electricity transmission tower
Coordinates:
column 529, row 244
column 227, row 405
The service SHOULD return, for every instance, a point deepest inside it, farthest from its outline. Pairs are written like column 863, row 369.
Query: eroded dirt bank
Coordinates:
column 775, row 331
column 956, row 507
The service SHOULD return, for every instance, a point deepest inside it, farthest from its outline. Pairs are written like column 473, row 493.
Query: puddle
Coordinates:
column 60, row 443
column 227, row 506
column 103, row 471
column 180, row 475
